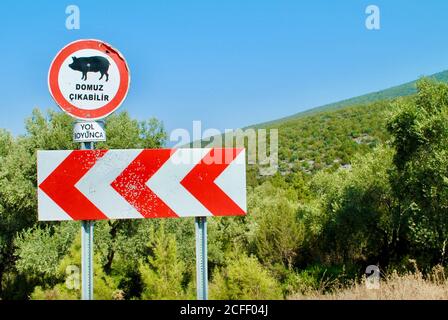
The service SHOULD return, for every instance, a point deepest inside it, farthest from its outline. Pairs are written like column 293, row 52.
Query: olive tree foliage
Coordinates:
column 65, row 283
column 359, row 222
column 6, row 142
column 419, row 128
column 9, row 224
column 18, row 178
column 276, row 233
column 29, row 248
column 39, row 249
column 125, row 133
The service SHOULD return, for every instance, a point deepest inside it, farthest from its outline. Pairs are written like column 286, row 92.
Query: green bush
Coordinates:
column 163, row 274
column 244, row 277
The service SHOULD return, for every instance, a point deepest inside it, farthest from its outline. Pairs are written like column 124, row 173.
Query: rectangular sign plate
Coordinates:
column 140, row 183
column 90, row 131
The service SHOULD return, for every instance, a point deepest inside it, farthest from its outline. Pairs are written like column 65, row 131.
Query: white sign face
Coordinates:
column 88, row 79
column 88, row 132
column 89, row 90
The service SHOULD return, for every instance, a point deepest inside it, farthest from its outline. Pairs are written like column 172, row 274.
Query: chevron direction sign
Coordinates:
column 143, row 183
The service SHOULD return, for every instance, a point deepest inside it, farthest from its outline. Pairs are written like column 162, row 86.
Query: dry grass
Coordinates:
column 411, row 286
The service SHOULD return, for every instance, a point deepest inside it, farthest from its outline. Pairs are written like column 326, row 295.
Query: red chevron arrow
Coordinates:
column 131, row 184
column 140, row 184
column 60, row 185
column 200, row 182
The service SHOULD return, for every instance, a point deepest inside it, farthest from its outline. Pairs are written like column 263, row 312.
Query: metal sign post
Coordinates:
column 87, row 249
column 201, row 258
column 87, row 259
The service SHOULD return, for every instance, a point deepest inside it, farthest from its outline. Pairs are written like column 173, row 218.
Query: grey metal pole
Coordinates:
column 87, row 248
column 201, row 258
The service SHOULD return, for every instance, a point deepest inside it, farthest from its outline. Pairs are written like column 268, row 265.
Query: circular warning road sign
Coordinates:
column 88, row 79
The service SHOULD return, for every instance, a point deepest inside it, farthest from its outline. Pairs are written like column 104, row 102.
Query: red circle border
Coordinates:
column 69, row 108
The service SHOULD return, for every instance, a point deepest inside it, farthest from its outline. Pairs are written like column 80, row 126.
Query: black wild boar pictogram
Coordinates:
column 91, row 64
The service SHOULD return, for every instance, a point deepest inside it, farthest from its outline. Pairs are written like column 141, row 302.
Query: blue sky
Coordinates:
column 228, row 63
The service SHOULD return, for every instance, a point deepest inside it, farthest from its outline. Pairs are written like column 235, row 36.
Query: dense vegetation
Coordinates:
column 331, row 139
column 383, row 201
